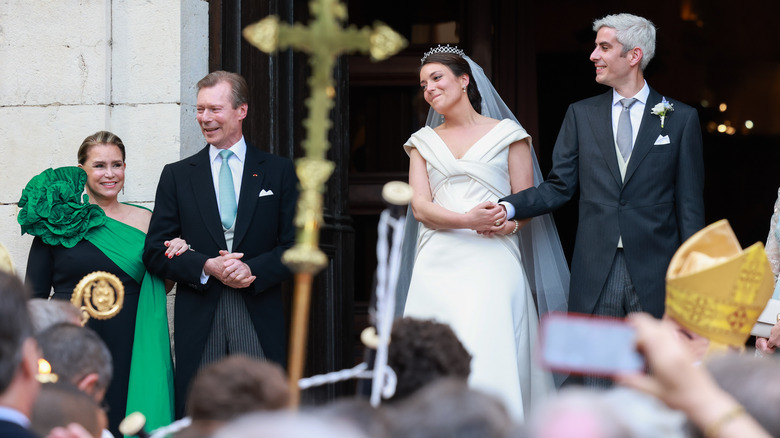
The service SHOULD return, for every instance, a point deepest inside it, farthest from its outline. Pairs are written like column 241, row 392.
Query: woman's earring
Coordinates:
column 464, row 88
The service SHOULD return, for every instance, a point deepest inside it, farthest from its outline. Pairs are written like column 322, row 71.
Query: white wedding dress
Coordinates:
column 476, row 284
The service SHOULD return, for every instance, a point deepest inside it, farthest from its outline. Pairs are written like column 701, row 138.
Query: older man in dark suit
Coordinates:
column 18, row 360
column 636, row 158
column 234, row 205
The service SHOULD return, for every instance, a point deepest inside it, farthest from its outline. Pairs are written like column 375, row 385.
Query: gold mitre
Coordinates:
column 715, row 288
column 6, row 264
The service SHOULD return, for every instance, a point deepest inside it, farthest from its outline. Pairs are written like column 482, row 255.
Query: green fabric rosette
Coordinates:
column 54, row 207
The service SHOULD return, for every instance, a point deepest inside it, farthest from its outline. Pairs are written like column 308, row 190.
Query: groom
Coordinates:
column 640, row 177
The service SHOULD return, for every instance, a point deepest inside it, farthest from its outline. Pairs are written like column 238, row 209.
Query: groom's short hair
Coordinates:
column 631, row 31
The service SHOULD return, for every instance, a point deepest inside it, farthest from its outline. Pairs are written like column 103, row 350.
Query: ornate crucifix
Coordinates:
column 324, row 40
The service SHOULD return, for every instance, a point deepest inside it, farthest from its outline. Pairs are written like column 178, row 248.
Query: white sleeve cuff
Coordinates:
column 204, row 277
column 510, row 209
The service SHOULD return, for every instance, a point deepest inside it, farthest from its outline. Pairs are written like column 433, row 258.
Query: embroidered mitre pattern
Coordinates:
column 716, row 289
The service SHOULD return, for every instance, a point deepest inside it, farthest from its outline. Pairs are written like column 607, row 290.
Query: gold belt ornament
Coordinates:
column 99, row 295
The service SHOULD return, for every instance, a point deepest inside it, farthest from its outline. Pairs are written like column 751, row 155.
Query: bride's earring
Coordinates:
column 464, row 88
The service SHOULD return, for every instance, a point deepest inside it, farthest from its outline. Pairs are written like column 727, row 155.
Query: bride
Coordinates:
column 473, row 269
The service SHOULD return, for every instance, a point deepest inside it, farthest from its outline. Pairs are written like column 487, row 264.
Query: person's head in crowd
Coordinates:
column 18, row 350
column 374, row 422
column 78, row 355
column 6, row 262
column 288, row 425
column 422, row 351
column 754, row 383
column 715, row 290
column 449, row 408
column 674, row 378
column 645, row 416
column 576, row 412
column 232, row 387
column 45, row 313
column 60, row 404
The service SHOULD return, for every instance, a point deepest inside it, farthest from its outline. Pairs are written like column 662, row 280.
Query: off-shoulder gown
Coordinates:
column 477, row 284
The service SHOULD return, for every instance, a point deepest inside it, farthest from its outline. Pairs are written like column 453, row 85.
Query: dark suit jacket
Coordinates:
column 186, row 206
column 13, row 430
column 657, row 207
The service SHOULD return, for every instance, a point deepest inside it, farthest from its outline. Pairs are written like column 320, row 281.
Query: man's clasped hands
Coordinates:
column 230, row 270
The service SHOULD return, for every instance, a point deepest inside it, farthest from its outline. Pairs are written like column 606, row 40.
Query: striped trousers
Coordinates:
column 618, row 298
column 232, row 331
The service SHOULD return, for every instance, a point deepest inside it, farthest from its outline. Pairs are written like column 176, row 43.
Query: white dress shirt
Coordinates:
column 636, row 112
column 236, row 163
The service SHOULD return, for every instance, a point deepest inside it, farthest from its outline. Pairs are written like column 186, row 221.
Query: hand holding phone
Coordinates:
column 583, row 344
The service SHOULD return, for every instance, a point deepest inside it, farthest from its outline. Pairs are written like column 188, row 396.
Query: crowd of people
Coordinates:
column 483, row 261
column 239, row 396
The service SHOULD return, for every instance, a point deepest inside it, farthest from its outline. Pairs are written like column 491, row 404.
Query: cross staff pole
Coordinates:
column 324, row 40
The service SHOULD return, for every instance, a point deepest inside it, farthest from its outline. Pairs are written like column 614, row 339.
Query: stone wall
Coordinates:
column 73, row 67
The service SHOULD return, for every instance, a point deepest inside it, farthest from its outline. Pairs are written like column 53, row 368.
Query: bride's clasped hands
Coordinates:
column 489, row 218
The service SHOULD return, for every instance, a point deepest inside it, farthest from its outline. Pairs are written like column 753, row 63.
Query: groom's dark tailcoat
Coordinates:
column 655, row 209
column 186, row 206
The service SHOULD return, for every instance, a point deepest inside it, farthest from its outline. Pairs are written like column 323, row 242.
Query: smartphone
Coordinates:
column 584, row 344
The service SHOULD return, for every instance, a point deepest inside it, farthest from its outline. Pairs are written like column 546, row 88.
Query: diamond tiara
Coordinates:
column 442, row 49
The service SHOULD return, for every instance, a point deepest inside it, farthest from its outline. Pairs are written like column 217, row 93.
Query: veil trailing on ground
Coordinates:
column 543, row 260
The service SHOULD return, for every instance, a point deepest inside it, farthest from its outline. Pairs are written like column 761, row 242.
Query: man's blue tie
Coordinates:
column 227, row 193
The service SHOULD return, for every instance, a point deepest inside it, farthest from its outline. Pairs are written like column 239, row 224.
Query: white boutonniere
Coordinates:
column 661, row 109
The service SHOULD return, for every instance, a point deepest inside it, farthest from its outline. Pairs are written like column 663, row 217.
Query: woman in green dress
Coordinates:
column 80, row 227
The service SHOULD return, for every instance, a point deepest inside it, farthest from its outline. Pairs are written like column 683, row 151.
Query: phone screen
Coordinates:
column 582, row 344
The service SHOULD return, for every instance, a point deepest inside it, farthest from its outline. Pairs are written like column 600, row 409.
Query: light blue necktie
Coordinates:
column 227, row 193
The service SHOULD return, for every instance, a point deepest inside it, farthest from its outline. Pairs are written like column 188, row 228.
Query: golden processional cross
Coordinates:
column 324, row 40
